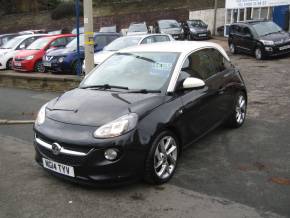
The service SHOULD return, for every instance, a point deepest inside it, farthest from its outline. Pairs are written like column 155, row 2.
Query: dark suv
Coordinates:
column 261, row 38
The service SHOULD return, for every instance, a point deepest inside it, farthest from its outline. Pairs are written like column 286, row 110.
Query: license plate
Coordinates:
column 47, row 64
column 58, row 167
column 17, row 64
column 202, row 34
column 284, row 47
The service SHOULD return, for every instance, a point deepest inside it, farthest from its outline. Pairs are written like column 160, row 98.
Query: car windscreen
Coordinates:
column 12, row 43
column 196, row 23
column 72, row 45
column 122, row 42
column 137, row 28
column 140, row 70
column 167, row 24
column 266, row 28
column 39, row 43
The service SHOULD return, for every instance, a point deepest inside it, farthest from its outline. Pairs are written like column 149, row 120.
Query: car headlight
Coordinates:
column 117, row 127
column 267, row 42
column 41, row 115
column 61, row 59
column 30, row 57
column 192, row 30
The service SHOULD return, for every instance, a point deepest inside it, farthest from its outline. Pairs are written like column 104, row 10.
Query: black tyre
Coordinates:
column 238, row 117
column 162, row 158
column 9, row 64
column 39, row 67
column 233, row 48
column 75, row 67
column 259, row 54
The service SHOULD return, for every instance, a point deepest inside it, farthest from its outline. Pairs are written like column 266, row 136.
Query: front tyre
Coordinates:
column 233, row 48
column 259, row 54
column 162, row 158
column 238, row 117
column 39, row 68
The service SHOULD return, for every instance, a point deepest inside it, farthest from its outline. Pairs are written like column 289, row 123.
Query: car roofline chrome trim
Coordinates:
column 62, row 150
column 181, row 59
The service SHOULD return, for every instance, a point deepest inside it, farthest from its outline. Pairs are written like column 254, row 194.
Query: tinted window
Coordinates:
column 246, row 31
column 201, row 64
column 161, row 38
column 167, row 24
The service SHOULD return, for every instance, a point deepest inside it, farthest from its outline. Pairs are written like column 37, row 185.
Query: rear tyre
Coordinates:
column 233, row 48
column 9, row 64
column 39, row 68
column 162, row 158
column 259, row 54
column 238, row 117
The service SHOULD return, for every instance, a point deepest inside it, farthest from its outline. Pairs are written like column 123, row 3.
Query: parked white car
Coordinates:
column 9, row 49
column 127, row 41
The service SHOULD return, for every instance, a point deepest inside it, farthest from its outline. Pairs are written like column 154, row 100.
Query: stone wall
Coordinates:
column 19, row 22
column 208, row 17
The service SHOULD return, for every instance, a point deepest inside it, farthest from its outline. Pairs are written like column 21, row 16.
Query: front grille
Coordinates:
column 19, row 59
column 84, row 149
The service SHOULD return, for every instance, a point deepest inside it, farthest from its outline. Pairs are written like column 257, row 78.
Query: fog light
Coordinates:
column 111, row 154
column 268, row 49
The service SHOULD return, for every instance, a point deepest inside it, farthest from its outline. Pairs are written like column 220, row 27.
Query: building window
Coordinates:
column 248, row 13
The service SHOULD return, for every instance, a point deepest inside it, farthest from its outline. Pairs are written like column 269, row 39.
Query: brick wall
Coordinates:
column 19, row 22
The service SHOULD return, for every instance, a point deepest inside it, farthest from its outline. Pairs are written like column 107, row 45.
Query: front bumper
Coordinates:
column 277, row 50
column 178, row 36
column 200, row 35
column 91, row 167
column 57, row 67
column 23, row 65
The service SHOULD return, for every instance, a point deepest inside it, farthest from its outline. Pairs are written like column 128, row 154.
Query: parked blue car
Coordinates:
column 64, row 60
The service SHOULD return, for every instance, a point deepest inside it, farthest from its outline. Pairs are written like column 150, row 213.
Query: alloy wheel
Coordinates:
column 165, row 157
column 39, row 67
column 258, row 54
column 232, row 48
column 241, row 109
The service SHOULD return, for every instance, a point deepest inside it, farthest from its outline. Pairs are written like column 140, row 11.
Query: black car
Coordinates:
column 171, row 27
column 134, row 114
column 196, row 30
column 261, row 38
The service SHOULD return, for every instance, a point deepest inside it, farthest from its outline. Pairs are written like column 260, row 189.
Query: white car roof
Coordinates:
column 144, row 35
column 30, row 35
column 184, row 47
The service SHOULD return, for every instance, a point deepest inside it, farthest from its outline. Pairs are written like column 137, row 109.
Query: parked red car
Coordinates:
column 30, row 59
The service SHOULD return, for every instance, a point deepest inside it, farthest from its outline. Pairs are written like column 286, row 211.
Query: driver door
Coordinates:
column 199, row 106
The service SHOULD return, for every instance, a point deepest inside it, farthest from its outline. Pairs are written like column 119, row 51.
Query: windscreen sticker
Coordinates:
column 161, row 69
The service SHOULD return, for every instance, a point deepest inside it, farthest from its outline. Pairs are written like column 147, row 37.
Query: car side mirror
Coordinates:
column 22, row 46
column 192, row 83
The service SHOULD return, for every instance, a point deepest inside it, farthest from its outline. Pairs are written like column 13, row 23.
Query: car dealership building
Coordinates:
column 243, row 10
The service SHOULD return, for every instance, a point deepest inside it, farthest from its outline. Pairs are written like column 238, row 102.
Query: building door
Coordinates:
column 281, row 16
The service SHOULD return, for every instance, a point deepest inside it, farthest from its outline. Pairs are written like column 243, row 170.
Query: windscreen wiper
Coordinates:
column 105, row 86
column 143, row 91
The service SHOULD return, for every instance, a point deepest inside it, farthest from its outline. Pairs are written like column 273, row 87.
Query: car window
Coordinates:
column 111, row 38
column 101, row 41
column 148, row 40
column 218, row 60
column 246, row 31
column 161, row 38
column 59, row 42
column 200, row 65
column 69, row 39
column 138, row 70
